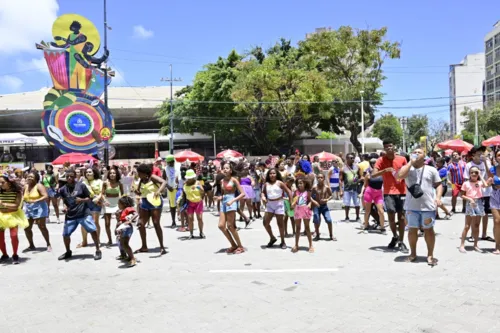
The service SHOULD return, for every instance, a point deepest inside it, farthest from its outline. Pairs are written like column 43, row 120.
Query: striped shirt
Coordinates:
column 456, row 171
column 8, row 197
column 334, row 179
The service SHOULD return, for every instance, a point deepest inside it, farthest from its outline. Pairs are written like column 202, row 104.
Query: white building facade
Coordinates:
column 466, row 81
column 492, row 61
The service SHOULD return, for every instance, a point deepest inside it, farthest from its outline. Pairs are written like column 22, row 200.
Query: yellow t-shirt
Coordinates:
column 193, row 192
column 363, row 166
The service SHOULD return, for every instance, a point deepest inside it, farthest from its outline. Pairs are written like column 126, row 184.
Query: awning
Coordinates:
column 16, row 139
column 126, row 139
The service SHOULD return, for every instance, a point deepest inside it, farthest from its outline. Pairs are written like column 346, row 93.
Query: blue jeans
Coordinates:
column 351, row 196
column 86, row 222
column 322, row 210
column 224, row 208
column 417, row 219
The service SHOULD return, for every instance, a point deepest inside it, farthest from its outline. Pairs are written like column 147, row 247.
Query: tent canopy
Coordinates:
column 16, row 139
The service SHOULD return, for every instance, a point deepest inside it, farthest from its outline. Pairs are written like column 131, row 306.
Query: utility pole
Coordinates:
column 107, row 117
column 362, row 123
column 476, row 129
column 171, row 80
column 404, row 121
column 215, row 146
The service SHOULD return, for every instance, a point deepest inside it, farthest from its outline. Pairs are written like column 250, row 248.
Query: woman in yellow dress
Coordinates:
column 11, row 215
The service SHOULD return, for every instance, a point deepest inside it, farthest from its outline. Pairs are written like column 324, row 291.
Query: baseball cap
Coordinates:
column 170, row 158
column 190, row 174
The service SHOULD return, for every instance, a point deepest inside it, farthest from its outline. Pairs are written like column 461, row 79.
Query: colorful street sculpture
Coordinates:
column 74, row 117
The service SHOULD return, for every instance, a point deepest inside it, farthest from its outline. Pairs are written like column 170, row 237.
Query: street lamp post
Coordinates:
column 476, row 129
column 362, row 124
column 107, row 112
column 171, row 80
column 403, row 125
column 215, row 146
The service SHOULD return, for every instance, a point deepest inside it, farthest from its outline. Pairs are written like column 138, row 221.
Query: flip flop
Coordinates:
column 271, row 242
column 462, row 250
column 141, row 251
column 487, row 238
column 81, row 245
column 295, row 249
column 239, row 250
column 231, row 250
column 432, row 262
column 311, row 250
column 411, row 259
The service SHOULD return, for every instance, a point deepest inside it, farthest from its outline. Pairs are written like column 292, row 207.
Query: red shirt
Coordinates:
column 156, row 171
column 391, row 186
column 125, row 212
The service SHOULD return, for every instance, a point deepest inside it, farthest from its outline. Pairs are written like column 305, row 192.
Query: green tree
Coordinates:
column 487, row 121
column 281, row 97
column 416, row 127
column 207, row 106
column 326, row 135
column 267, row 99
column 352, row 61
column 388, row 127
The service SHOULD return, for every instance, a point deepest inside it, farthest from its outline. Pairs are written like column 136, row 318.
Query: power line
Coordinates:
column 154, row 61
column 326, row 102
column 152, row 54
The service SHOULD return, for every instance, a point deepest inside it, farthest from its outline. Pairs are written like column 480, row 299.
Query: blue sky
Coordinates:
column 188, row 34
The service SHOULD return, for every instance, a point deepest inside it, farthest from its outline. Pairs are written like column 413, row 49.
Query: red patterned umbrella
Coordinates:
column 73, row 158
column 185, row 155
column 325, row 157
column 457, row 145
column 494, row 141
column 229, row 153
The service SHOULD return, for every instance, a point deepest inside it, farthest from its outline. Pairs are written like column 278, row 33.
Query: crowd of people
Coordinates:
column 409, row 188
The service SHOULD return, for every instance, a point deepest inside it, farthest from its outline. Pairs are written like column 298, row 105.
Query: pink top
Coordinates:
column 473, row 190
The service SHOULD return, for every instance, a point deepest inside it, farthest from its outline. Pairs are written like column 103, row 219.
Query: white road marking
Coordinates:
column 293, row 270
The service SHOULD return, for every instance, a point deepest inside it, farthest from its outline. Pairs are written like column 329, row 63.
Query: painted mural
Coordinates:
column 74, row 118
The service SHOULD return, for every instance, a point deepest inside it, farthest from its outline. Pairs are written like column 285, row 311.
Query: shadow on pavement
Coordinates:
column 418, row 260
column 382, row 249
column 80, row 257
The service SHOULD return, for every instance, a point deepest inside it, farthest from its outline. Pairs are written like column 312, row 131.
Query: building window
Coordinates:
column 490, row 73
column 497, row 39
column 497, row 83
column 490, row 100
column 490, row 85
column 497, row 96
column 489, row 59
column 489, row 44
column 497, row 54
column 497, row 69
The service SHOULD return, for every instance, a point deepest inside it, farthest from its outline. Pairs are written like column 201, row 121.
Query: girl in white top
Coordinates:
column 272, row 196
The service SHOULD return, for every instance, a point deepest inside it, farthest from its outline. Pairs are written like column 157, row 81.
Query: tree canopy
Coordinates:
column 388, row 127
column 417, row 126
column 265, row 100
column 487, row 121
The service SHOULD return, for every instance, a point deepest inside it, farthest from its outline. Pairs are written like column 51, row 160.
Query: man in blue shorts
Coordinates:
column 75, row 196
column 421, row 202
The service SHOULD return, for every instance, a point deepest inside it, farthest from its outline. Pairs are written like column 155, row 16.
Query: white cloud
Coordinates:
column 142, row 33
column 25, row 22
column 32, row 65
column 12, row 83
